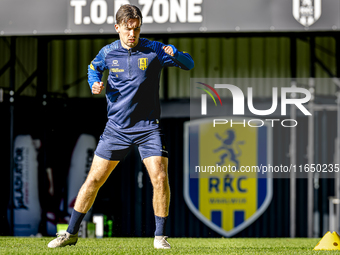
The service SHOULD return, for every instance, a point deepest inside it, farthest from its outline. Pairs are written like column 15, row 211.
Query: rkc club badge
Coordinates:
column 217, row 187
column 306, row 12
column 143, row 63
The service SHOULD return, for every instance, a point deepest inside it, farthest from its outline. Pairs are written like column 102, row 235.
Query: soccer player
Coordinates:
column 133, row 107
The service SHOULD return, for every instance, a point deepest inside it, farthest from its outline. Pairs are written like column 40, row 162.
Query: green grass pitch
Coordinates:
column 15, row 245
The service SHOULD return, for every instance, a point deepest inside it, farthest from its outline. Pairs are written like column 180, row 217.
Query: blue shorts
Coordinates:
column 114, row 144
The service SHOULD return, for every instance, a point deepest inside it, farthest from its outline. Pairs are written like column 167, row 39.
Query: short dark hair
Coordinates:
column 126, row 12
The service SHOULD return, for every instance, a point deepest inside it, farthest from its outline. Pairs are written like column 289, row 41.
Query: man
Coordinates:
column 133, row 107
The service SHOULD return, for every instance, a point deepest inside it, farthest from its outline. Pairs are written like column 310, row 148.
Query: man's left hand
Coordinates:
column 168, row 50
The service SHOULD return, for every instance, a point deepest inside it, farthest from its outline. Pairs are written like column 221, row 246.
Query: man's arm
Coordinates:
column 170, row 57
column 183, row 59
column 95, row 72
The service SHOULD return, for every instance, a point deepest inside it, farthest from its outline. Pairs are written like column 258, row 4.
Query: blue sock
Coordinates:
column 76, row 218
column 160, row 225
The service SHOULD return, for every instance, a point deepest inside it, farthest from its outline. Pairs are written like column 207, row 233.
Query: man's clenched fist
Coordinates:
column 168, row 50
column 97, row 87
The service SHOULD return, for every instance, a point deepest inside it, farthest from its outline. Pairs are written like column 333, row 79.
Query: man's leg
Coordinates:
column 157, row 167
column 99, row 172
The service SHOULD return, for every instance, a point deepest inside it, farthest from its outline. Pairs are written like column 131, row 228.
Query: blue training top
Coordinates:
column 132, row 92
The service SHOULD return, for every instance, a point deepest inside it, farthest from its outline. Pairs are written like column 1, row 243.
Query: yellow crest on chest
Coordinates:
column 143, row 63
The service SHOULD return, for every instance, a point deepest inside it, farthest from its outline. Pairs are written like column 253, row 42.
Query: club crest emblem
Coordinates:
column 306, row 12
column 226, row 201
column 143, row 63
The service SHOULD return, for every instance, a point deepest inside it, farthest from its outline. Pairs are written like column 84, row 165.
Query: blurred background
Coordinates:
column 50, row 121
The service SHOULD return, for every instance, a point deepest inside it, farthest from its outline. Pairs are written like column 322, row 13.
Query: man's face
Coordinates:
column 129, row 33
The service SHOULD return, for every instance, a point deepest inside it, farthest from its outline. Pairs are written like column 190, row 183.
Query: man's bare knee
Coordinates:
column 94, row 182
column 160, row 179
column 99, row 172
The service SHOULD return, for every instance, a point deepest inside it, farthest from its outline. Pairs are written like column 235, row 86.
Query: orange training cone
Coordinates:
column 330, row 241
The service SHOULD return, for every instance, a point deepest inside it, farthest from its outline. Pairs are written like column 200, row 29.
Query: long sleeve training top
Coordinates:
column 132, row 90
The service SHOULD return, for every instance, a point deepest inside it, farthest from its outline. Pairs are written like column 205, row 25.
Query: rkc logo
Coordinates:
column 226, row 202
column 143, row 63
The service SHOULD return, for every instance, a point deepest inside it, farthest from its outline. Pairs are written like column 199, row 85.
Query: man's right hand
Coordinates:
column 97, row 87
